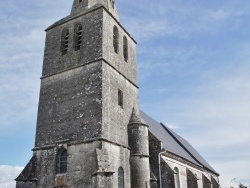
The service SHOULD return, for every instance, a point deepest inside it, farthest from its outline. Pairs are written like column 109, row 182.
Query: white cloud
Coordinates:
column 8, row 174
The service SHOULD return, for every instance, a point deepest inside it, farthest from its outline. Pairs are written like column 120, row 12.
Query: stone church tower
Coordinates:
column 89, row 133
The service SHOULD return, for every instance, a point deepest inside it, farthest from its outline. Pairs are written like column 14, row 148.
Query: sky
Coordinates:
column 193, row 61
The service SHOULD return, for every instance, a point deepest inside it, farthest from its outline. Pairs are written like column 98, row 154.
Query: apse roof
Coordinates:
column 174, row 143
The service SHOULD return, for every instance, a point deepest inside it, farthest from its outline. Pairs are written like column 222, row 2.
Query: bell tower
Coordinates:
column 88, row 94
column 80, row 6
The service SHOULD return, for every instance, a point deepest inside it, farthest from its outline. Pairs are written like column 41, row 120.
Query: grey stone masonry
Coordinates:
column 78, row 106
column 70, row 106
column 91, row 49
column 78, row 88
column 90, row 132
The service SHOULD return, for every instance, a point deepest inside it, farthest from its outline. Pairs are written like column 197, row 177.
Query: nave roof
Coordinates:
column 174, row 143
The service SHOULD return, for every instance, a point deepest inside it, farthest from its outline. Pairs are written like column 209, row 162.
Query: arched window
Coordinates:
column 65, row 41
column 176, row 177
column 80, row 1
column 61, row 165
column 120, row 178
column 78, row 37
column 116, row 39
column 125, row 48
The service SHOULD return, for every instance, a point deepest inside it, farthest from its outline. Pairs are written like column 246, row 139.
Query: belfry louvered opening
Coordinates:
column 125, row 48
column 78, row 37
column 116, row 39
column 65, row 41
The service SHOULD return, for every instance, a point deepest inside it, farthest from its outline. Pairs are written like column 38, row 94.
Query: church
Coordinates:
column 90, row 131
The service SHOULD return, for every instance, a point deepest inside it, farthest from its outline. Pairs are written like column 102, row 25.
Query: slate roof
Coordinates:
column 174, row 143
column 29, row 172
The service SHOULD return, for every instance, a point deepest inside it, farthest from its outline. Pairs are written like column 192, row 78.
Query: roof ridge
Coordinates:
column 176, row 144
column 179, row 142
column 187, row 150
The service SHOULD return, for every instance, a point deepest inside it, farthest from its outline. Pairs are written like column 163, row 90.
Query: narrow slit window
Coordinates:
column 125, row 48
column 116, row 39
column 62, row 157
column 120, row 98
column 120, row 178
column 78, row 37
column 65, row 41
column 176, row 177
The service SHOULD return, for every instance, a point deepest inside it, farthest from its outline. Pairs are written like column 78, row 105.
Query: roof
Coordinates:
column 29, row 172
column 174, row 143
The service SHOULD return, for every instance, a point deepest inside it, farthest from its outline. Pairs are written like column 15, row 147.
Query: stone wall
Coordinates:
column 214, row 182
column 79, row 90
column 154, row 150
column 127, row 69
column 191, row 180
column 167, row 175
column 89, row 165
column 78, row 108
column 91, row 49
column 70, row 106
column 189, row 176
column 206, row 182
column 116, row 118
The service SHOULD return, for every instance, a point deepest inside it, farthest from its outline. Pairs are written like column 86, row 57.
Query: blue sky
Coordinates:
column 193, row 68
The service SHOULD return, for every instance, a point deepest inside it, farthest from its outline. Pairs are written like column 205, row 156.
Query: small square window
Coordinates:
column 120, row 98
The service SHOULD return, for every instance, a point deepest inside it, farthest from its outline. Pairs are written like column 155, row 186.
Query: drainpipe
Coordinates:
column 159, row 162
